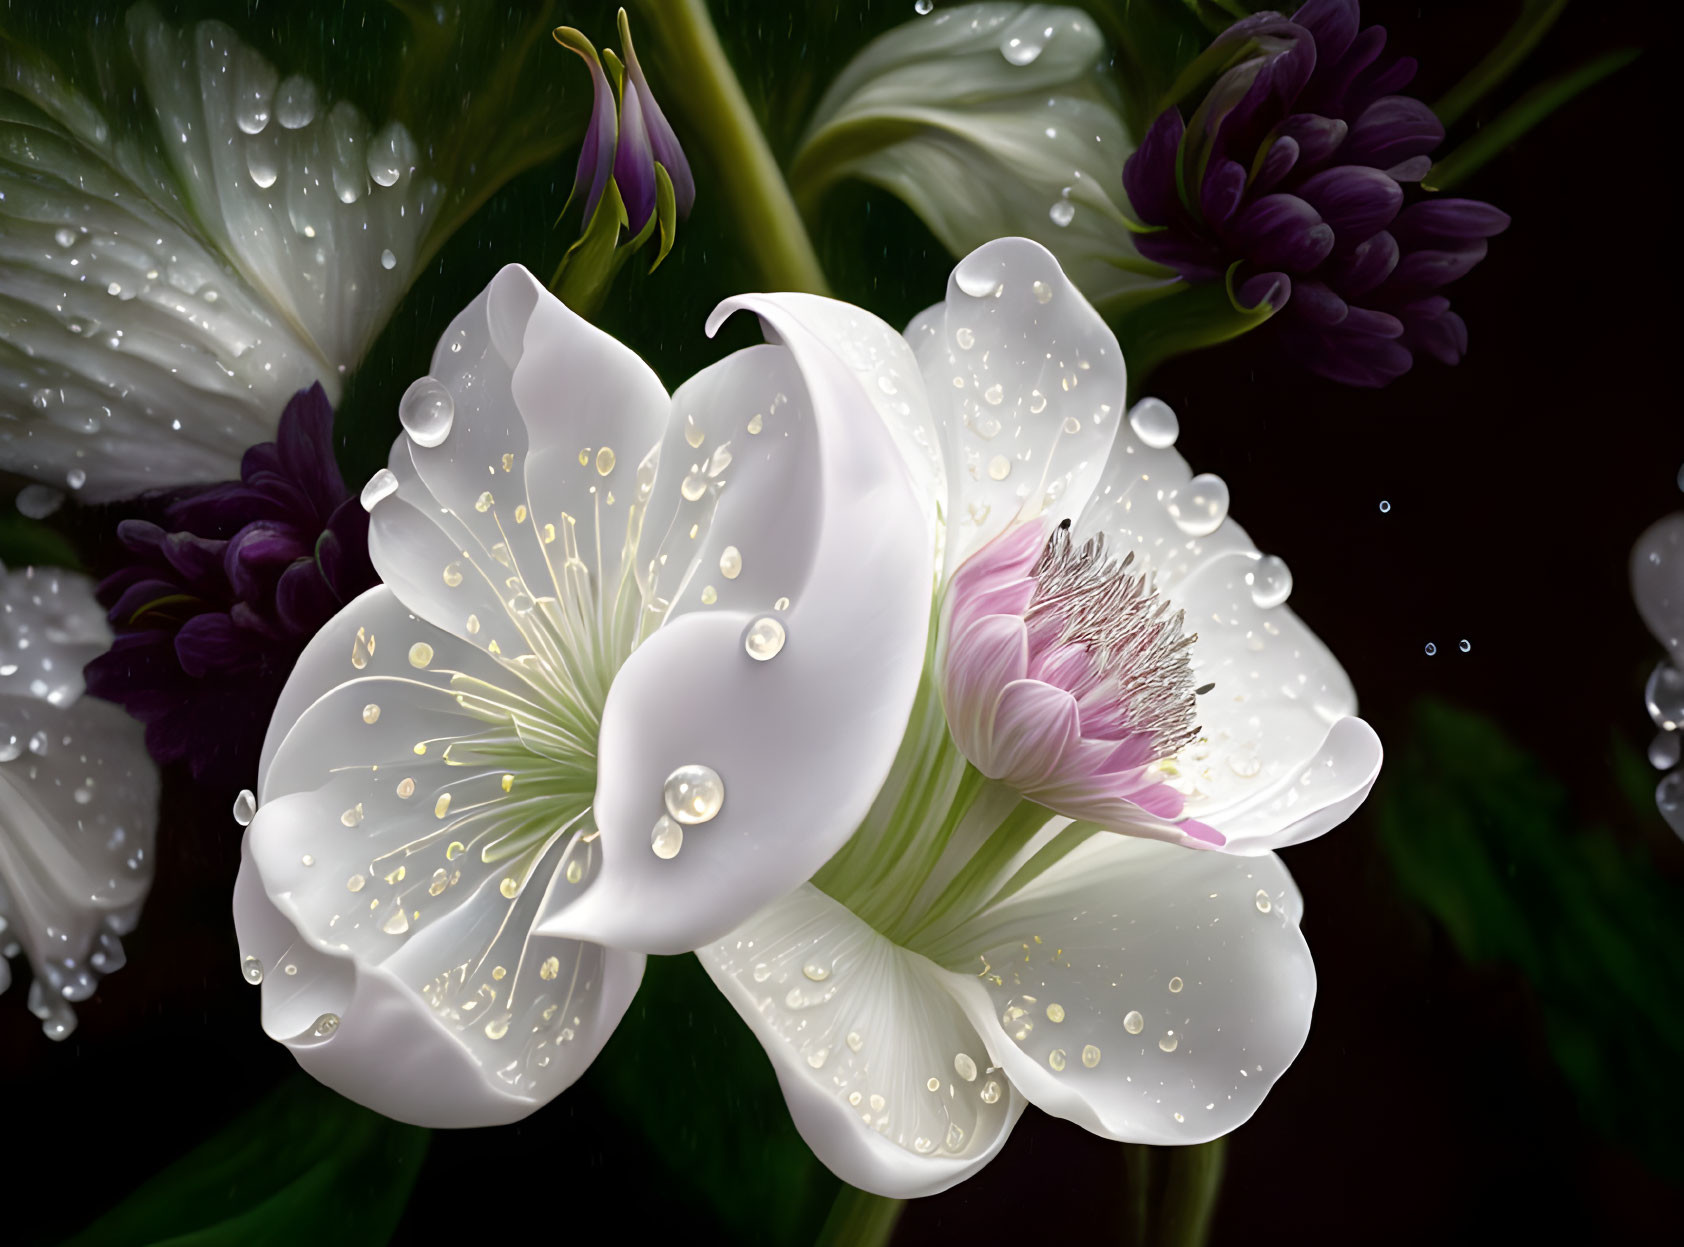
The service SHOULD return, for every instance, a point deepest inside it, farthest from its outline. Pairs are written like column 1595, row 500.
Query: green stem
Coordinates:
column 1536, row 17
column 706, row 90
column 1172, row 1193
column 859, row 1220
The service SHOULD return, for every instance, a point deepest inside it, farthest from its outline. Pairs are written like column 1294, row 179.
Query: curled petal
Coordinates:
column 1283, row 231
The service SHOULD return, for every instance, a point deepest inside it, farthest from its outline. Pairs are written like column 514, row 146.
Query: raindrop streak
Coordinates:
column 427, row 411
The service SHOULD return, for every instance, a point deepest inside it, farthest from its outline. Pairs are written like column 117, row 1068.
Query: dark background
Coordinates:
column 1431, row 1102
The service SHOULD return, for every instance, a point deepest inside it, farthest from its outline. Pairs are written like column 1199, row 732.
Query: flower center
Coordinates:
column 1136, row 683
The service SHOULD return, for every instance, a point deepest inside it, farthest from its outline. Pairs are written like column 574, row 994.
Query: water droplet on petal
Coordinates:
column 427, row 411
column 666, row 839
column 1154, row 423
column 1169, row 1042
column 1664, row 751
column 388, row 260
column 1133, row 1022
column 1264, row 904
column 990, row 1091
column 325, row 1025
column 693, row 793
column 1271, row 581
column 1020, row 50
column 245, row 807
column 1055, row 1058
column 1664, row 696
column 964, row 1066
column 730, row 562
column 999, row 468
column 1090, row 1056
column 922, row 7
column 295, row 103
column 1199, row 507
column 252, row 968
column 764, row 639
column 1175, row 984
column 420, row 654
column 1669, row 800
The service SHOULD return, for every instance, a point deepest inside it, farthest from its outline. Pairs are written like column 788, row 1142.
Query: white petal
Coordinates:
column 78, row 810
column 465, row 1018
column 1280, row 758
column 1143, row 991
column 819, row 512
column 1026, row 383
column 51, row 627
column 550, row 420
column 992, row 125
column 150, row 338
column 857, row 1030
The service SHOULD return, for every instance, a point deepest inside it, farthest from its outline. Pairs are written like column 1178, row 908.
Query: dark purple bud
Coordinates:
column 1219, row 196
column 634, row 163
column 663, row 143
column 1390, row 131
column 1355, row 200
column 596, row 156
column 1439, row 221
column 1282, row 231
column 1149, row 174
column 1367, row 265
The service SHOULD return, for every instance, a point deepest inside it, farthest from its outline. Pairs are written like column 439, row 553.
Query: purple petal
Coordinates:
column 1365, row 267
column 1411, row 170
column 596, row 154
column 1362, row 350
column 1422, row 272
column 210, row 643
column 1221, row 192
column 1355, row 200
column 1333, row 23
column 1317, row 137
column 1384, row 80
column 1390, row 131
column 1277, row 163
column 662, row 141
column 1429, row 325
column 634, row 163
column 1282, row 231
column 1149, row 174
column 137, row 601
column 1275, row 289
column 342, row 552
column 197, row 559
column 1316, row 303
column 303, row 600
column 1448, row 220
column 305, row 443
column 256, row 554
column 1329, row 92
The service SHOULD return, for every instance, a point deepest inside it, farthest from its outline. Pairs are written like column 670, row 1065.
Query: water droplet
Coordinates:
column 371, row 713
column 817, row 1057
column 325, row 1025
column 1020, row 51
column 575, row 871
column 1264, row 904
column 730, row 562
column 1062, row 212
column 295, row 103
column 1271, row 581
column 260, row 163
column 355, row 883
column 964, row 337
column 1199, row 507
column 1664, row 751
column 388, row 260
column 252, row 968
column 994, row 394
column 510, row 887
column 484, row 502
column 1055, row 1013
column 64, row 237
column 1043, row 292
column 1071, row 425
column 1245, row 765
column 999, row 468
column 1133, row 1022
column 441, row 807
column 990, row 1091
column 693, row 793
column 1384, row 506
column 381, row 485
column 764, row 639
column 710, row 595
column 694, row 486
column 1664, row 696
column 666, row 839
column 964, row 1066
column 396, row 923
column 933, row 1084
column 1055, row 1058
column 427, row 411
column 406, row 787
column 245, row 807
column 1669, row 800
column 816, row 972
column 453, row 574
column 855, row 1041
column 1090, row 1056
column 1169, row 1042
column 604, row 461
column 1431, row 649
column 353, row 816
column 762, row 972
column 420, row 654
column 75, row 478
column 39, row 501
column 1175, row 984
column 922, row 7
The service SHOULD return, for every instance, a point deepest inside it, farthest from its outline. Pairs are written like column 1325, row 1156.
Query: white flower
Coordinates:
column 167, row 283
column 78, row 797
column 638, row 667
column 1657, row 586
column 969, row 951
column 989, row 120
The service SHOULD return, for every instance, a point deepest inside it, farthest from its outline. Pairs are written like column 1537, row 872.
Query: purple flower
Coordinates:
column 213, row 610
column 1291, row 172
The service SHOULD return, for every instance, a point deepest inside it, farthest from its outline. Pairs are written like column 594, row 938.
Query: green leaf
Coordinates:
column 30, row 543
column 1180, row 317
column 1520, row 117
column 684, row 1068
column 304, row 1166
column 1482, row 837
column 1536, row 17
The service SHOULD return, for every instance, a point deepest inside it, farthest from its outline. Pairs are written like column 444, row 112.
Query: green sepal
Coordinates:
column 586, row 272
column 303, row 1166
column 666, row 212
column 616, row 72
column 1183, row 317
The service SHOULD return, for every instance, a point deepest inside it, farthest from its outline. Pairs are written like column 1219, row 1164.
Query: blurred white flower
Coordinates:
column 169, row 280
column 78, row 797
column 988, row 120
column 1657, row 586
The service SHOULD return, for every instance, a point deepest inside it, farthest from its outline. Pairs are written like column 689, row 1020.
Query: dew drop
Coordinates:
column 388, row 261
column 1154, row 423
column 1090, row 1056
column 999, row 468
column 666, row 839
column 397, row 923
column 855, row 1041
column 355, row 883
column 1271, row 581
column 1264, row 904
column 990, row 1092
column 1664, row 696
column 510, row 887
column 1169, row 1042
column 604, row 461
column 762, row 972
column 1020, row 51
column 816, row 972
column 693, row 793
column 1175, row 984
column 295, row 103
column 694, row 486
column 575, row 871
column 964, row 1066
column 1431, row 649
column 1133, row 1022
column 75, row 478
column 964, row 337
column 371, row 713
column 1664, row 751
column 1465, row 646
column 381, row 485
column 252, row 968
column 923, row 7
column 420, row 654
column 764, row 639
column 1384, row 506
column 453, row 574
column 1055, row 1013
column 406, row 787
column 427, row 411
column 484, row 502
column 325, row 1025
column 39, row 501
column 1043, row 292
column 1062, row 212
column 730, row 562
column 245, row 807
column 1199, row 507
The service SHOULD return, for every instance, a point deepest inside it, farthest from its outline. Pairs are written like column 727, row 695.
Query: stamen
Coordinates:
column 1141, row 678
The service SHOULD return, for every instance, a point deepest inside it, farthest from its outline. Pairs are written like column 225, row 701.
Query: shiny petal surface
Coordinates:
column 887, row 1081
